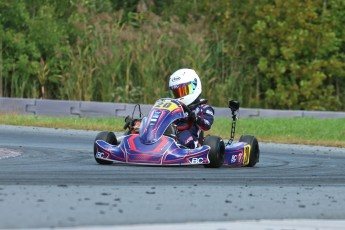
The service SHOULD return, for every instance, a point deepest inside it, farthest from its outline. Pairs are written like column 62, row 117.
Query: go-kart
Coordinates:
column 152, row 140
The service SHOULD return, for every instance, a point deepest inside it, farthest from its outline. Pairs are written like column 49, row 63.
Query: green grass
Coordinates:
column 310, row 131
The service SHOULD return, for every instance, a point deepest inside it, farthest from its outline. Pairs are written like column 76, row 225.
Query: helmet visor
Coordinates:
column 182, row 90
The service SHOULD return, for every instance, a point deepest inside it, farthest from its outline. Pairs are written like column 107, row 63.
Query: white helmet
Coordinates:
column 185, row 86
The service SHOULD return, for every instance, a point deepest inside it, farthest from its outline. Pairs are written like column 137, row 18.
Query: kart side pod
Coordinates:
column 244, row 153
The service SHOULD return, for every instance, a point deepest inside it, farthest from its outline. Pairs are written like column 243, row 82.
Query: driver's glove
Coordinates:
column 194, row 118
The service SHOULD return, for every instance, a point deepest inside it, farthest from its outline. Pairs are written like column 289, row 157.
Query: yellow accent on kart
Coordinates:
column 246, row 155
column 166, row 104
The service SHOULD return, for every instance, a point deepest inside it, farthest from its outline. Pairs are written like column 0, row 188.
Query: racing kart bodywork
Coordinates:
column 152, row 141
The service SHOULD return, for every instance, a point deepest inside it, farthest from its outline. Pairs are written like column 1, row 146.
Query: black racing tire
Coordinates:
column 254, row 149
column 108, row 137
column 216, row 154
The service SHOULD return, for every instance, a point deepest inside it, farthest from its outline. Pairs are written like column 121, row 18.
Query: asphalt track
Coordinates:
column 49, row 179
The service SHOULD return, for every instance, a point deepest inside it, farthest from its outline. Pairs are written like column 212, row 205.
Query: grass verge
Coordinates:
column 310, row 131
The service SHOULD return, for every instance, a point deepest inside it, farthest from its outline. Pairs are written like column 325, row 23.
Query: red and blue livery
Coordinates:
column 152, row 141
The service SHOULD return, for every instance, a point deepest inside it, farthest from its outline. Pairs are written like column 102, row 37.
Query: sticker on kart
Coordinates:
column 166, row 104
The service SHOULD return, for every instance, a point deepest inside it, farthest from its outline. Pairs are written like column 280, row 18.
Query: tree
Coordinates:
column 294, row 45
column 293, row 50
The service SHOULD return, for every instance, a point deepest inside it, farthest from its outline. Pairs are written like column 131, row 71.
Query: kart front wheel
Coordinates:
column 107, row 137
column 216, row 154
column 254, row 149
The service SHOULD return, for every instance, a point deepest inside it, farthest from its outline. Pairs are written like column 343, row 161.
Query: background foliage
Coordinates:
column 278, row 54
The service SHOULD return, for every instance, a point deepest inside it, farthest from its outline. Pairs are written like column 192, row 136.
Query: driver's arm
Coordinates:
column 205, row 118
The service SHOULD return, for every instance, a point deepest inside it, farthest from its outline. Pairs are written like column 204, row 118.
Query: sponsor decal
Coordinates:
column 189, row 140
column 209, row 112
column 174, row 87
column 196, row 160
column 236, row 158
column 100, row 155
column 175, row 79
column 240, row 157
column 156, row 115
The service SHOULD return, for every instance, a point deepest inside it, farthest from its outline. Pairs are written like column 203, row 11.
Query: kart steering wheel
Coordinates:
column 186, row 108
column 191, row 116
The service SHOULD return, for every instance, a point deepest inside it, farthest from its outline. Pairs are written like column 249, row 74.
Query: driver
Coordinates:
column 185, row 86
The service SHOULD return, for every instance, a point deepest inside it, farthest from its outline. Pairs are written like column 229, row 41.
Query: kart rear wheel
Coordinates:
column 216, row 154
column 107, row 137
column 254, row 149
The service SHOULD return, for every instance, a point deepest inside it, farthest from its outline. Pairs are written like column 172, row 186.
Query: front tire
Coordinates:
column 254, row 149
column 216, row 154
column 108, row 137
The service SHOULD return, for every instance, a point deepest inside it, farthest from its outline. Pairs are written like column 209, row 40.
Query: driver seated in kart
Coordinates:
column 185, row 86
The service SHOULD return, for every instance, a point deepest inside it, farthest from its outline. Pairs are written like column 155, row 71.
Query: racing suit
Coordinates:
column 189, row 129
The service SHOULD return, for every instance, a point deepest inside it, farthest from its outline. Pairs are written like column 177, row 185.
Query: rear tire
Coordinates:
column 108, row 137
column 216, row 154
column 254, row 149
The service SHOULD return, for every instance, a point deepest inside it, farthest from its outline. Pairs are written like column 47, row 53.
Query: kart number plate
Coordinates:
column 168, row 105
column 246, row 154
